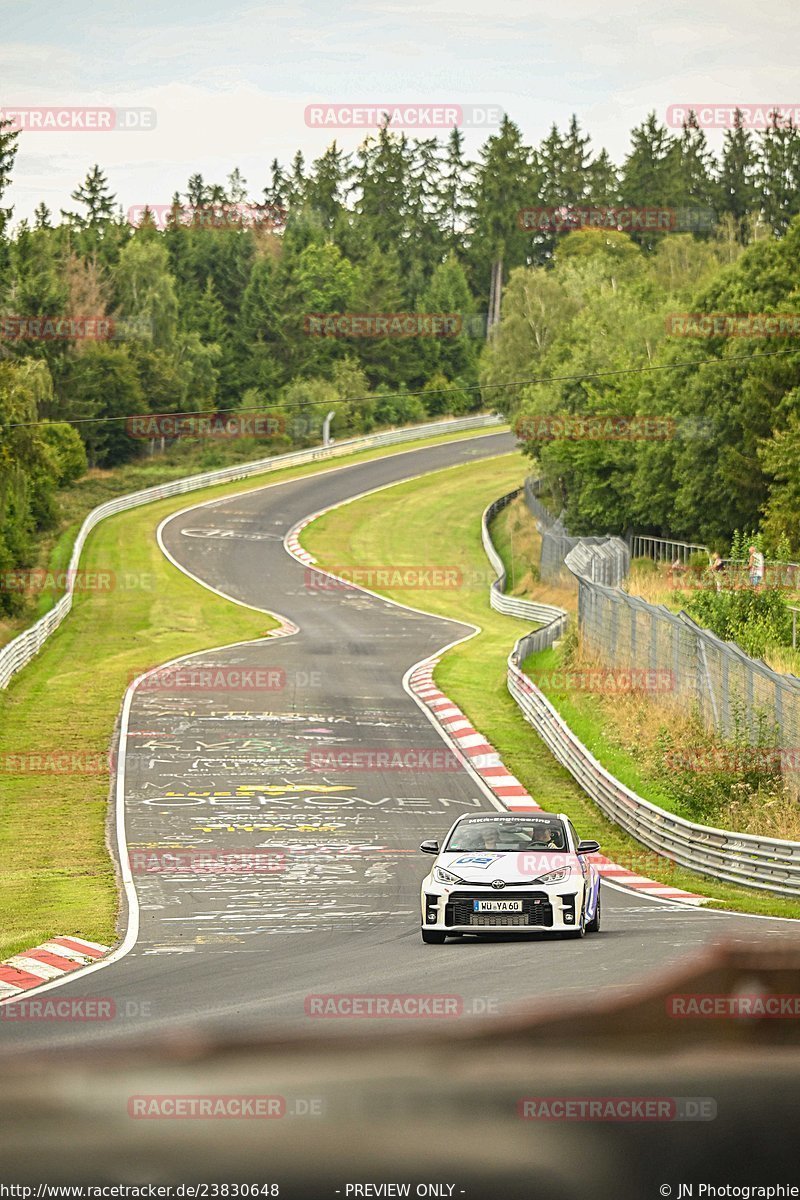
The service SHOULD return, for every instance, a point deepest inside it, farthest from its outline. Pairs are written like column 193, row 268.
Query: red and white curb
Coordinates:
column 285, row 628
column 486, row 763
column 43, row 963
column 292, row 542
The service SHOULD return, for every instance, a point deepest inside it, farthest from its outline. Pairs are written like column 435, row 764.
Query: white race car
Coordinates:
column 503, row 873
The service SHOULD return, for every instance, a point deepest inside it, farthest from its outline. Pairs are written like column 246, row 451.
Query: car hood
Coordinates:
column 483, row 866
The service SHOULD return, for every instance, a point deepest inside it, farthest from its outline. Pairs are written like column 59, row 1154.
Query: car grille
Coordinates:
column 536, row 910
column 499, row 919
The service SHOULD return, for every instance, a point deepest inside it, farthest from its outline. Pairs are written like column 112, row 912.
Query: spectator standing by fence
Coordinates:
column 755, row 565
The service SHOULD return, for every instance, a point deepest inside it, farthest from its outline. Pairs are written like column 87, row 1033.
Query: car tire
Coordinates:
column 432, row 937
column 594, row 924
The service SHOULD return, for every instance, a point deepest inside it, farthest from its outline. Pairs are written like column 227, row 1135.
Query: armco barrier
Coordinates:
column 17, row 653
column 514, row 606
column 770, row 864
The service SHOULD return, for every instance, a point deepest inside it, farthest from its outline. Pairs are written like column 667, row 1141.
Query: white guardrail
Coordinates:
column 17, row 653
column 771, row 864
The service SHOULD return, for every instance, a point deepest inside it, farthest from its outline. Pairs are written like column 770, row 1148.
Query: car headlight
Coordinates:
column 554, row 876
column 442, row 876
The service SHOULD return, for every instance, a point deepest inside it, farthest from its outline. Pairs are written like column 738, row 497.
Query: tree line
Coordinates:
column 208, row 306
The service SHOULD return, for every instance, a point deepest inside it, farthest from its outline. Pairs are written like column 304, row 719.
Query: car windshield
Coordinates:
column 507, row 837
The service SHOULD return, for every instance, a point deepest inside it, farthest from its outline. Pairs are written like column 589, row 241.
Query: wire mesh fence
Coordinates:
column 609, row 563
column 740, row 697
column 736, row 695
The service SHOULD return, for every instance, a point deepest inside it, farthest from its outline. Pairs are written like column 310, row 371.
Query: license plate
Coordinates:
column 497, row 906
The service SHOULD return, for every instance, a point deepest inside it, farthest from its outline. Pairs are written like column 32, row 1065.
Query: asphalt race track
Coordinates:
column 332, row 906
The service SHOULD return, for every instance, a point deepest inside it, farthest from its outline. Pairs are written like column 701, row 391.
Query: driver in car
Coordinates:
column 546, row 837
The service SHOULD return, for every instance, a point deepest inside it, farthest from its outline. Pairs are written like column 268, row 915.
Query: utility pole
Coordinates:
column 326, row 428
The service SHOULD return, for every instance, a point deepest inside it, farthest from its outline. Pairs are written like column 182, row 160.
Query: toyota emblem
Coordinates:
column 498, row 883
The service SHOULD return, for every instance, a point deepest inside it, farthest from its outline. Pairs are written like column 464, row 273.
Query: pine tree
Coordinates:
column 698, row 193
column 277, row 190
column 505, row 183
column 604, row 180
column 95, row 195
column 296, row 191
column 237, row 186
column 41, row 216
column 737, row 176
column 197, row 192
column 8, row 152
column 453, row 202
column 779, row 173
column 651, row 172
column 327, row 186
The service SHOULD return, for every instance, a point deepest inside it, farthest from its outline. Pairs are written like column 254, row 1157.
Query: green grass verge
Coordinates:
column 589, row 722
column 435, row 520
column 56, row 876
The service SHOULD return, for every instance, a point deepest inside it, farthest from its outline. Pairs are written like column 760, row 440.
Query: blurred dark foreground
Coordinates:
column 442, row 1113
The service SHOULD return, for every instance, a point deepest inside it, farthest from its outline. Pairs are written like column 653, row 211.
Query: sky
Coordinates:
column 230, row 84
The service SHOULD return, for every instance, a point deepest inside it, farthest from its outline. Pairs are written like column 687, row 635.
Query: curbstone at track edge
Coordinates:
column 53, row 958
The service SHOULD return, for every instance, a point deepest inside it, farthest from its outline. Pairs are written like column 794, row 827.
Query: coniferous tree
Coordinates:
column 779, row 173
column 738, row 194
column 96, row 197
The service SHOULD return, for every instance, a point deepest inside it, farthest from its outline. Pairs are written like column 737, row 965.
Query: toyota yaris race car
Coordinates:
column 501, row 873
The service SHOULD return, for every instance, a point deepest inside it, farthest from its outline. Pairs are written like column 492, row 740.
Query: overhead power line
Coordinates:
column 478, row 387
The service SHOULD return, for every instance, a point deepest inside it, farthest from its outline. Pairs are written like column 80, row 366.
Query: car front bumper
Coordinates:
column 543, row 909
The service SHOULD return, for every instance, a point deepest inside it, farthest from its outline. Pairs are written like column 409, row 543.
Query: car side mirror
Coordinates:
column 588, row 847
column 429, row 847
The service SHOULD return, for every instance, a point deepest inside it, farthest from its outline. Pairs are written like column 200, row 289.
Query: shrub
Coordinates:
column 754, row 618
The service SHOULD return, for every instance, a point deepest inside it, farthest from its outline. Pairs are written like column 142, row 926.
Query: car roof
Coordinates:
column 538, row 815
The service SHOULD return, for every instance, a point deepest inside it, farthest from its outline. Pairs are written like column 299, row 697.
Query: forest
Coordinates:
column 218, row 303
